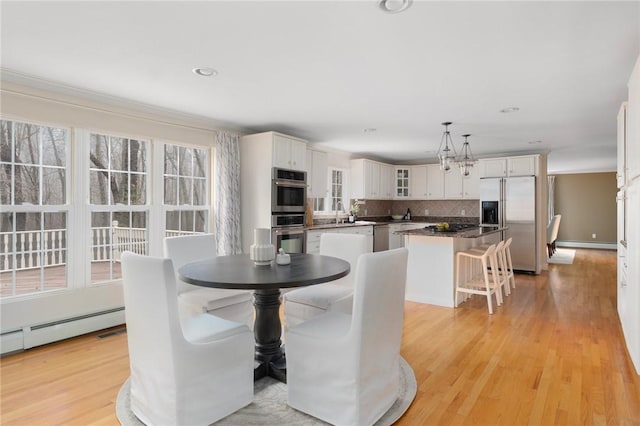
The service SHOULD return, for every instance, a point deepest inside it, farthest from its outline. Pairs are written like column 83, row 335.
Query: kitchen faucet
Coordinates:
column 338, row 206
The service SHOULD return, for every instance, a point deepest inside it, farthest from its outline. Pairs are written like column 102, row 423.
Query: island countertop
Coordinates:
column 475, row 232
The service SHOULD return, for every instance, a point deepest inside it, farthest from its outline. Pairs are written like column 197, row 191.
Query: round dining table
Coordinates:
column 240, row 272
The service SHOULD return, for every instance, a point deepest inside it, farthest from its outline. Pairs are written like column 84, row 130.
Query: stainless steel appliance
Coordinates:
column 380, row 237
column 292, row 240
column 511, row 202
column 288, row 191
column 287, row 232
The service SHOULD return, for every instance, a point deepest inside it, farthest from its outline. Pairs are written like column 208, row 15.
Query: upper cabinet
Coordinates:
column 402, row 180
column 509, row 166
column 435, row 182
column 418, row 182
column 471, row 184
column 633, row 125
column 374, row 180
column 386, row 181
column 289, row 152
column 316, row 174
column 369, row 180
column 621, row 176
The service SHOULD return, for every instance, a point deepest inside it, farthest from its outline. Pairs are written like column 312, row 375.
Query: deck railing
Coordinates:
column 35, row 249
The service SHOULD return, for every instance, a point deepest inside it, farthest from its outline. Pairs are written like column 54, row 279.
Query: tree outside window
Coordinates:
column 33, row 195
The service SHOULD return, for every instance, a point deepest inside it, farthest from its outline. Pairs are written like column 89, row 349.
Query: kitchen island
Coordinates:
column 431, row 263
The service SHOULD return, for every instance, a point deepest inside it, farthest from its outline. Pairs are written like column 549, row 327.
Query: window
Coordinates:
column 114, row 209
column 336, row 195
column 336, row 199
column 185, row 190
column 33, row 194
column 117, row 202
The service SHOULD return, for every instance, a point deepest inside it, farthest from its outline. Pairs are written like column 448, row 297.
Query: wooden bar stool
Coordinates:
column 473, row 275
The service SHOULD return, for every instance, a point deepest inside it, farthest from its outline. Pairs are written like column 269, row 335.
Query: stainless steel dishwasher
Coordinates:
column 380, row 237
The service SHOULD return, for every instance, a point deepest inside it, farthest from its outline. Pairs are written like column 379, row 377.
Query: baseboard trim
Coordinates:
column 580, row 244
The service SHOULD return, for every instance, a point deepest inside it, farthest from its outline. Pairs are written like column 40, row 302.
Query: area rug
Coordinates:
column 269, row 406
column 563, row 256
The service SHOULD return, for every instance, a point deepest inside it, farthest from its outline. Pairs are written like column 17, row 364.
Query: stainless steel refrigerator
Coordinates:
column 511, row 203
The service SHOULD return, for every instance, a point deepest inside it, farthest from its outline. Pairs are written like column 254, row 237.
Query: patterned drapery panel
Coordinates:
column 551, row 191
column 227, row 193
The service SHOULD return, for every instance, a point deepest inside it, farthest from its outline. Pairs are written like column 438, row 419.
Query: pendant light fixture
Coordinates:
column 446, row 151
column 466, row 160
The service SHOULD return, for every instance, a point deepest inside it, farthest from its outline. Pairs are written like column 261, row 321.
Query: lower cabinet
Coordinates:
column 313, row 236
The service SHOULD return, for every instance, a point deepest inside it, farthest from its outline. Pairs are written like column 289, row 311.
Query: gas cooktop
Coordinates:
column 453, row 227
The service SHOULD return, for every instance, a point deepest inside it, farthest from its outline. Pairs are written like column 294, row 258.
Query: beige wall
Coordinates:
column 587, row 203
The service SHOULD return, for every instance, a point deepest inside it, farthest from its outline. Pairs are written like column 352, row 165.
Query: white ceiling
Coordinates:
column 326, row 70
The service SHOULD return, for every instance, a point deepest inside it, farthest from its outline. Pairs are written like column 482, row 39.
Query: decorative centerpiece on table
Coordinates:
column 353, row 210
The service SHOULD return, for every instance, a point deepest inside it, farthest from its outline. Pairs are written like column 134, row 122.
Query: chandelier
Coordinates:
column 446, row 151
column 466, row 160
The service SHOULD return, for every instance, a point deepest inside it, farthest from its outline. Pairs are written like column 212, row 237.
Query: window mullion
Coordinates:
column 155, row 200
column 79, row 256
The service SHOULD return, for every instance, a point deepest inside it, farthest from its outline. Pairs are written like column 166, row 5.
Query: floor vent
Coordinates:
column 112, row 333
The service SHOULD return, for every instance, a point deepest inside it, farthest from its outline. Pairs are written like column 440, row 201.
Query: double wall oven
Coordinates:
column 288, row 204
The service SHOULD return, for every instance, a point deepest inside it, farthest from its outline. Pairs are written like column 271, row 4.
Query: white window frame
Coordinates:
column 39, row 208
column 159, row 151
column 329, row 197
column 82, row 188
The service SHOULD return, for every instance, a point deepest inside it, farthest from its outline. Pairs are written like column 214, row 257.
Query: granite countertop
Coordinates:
column 480, row 231
column 386, row 220
column 340, row 225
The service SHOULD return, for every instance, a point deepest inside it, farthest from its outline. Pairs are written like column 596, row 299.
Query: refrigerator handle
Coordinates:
column 503, row 201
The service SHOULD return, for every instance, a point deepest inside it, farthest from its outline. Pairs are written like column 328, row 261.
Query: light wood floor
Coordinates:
column 552, row 355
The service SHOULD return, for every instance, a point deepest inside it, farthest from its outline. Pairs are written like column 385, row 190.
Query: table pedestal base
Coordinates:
column 267, row 328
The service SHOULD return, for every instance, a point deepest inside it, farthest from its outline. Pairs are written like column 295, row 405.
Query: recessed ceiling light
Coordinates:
column 534, row 142
column 509, row 109
column 394, row 6
column 370, row 130
column 205, row 72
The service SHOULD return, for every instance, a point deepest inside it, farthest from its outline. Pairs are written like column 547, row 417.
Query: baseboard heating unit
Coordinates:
column 41, row 334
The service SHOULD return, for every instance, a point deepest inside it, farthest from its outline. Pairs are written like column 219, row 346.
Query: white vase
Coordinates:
column 262, row 252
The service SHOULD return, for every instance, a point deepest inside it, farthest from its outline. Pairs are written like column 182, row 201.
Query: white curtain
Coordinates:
column 551, row 190
column 226, row 192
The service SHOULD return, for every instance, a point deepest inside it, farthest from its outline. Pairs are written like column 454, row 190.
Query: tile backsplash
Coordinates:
column 449, row 208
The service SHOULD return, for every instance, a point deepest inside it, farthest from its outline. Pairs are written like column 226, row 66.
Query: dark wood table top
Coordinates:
column 239, row 272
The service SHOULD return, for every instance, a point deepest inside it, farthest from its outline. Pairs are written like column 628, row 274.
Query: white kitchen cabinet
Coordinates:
column 621, row 176
column 453, row 184
column 386, row 181
column 521, row 166
column 313, row 236
column 629, row 226
column 628, row 281
column 367, row 180
column 418, row 182
column 633, row 124
column 435, row 182
column 402, row 181
column 289, row 152
column 316, row 174
column 493, row 167
column 525, row 165
column 471, row 184
column 372, row 175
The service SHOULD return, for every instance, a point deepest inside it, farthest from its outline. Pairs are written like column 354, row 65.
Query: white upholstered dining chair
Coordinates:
column 307, row 302
column 552, row 234
column 233, row 305
column 192, row 370
column 344, row 369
